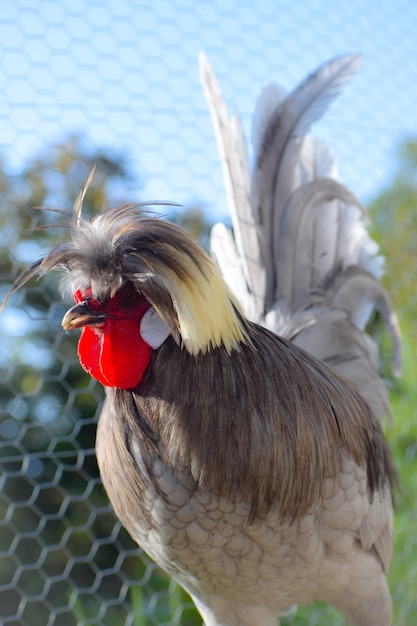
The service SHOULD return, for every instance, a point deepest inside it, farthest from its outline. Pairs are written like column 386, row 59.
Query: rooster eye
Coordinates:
column 128, row 296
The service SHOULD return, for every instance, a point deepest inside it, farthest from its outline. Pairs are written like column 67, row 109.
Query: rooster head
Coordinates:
column 137, row 279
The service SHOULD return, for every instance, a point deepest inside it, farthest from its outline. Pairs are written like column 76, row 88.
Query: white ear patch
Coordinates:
column 153, row 330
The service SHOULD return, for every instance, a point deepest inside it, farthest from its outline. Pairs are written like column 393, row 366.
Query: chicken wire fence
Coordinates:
column 116, row 85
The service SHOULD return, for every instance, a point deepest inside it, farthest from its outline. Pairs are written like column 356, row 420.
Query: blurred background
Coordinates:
column 117, row 85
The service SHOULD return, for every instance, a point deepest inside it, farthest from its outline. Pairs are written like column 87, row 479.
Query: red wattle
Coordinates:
column 115, row 354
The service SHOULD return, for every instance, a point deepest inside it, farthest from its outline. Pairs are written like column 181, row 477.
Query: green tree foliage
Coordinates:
column 394, row 215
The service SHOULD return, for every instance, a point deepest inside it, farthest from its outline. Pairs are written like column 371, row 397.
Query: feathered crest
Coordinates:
column 78, row 204
column 180, row 281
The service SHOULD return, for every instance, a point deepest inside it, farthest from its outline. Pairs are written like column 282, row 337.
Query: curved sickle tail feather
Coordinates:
column 299, row 257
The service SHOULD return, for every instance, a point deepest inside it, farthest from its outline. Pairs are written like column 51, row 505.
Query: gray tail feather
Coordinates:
column 299, row 256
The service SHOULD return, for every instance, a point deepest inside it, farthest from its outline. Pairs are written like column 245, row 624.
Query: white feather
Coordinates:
column 153, row 330
column 268, row 100
column 233, row 157
column 224, row 253
column 276, row 162
column 300, row 254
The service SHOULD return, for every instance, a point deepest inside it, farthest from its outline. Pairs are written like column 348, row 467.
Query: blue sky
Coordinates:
column 125, row 75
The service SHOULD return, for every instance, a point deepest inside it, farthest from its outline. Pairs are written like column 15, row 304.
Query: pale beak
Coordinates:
column 80, row 315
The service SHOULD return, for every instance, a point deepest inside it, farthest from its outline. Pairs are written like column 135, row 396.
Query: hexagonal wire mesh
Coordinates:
column 118, row 85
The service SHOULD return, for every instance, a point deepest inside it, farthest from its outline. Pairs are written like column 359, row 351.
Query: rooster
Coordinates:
column 240, row 442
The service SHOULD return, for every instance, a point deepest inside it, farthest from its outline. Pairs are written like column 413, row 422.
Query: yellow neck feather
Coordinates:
column 208, row 313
